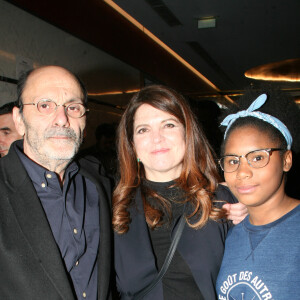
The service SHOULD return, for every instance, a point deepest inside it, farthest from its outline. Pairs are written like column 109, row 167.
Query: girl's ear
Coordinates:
column 287, row 160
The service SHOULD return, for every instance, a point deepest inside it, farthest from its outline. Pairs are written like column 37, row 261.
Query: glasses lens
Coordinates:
column 46, row 107
column 76, row 110
column 258, row 159
column 229, row 163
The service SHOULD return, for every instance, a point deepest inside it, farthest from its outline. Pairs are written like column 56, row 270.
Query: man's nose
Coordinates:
column 1, row 138
column 61, row 118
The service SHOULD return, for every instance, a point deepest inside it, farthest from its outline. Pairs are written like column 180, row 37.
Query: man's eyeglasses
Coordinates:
column 256, row 159
column 47, row 107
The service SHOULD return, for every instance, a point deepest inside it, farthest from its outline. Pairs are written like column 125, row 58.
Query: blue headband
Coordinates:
column 229, row 120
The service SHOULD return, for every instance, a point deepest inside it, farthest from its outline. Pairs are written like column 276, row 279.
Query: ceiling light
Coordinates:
column 207, row 22
column 114, row 93
column 286, row 70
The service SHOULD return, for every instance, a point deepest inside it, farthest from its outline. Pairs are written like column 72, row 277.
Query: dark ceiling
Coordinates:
column 248, row 33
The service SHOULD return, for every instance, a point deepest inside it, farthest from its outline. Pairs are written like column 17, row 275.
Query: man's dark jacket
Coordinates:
column 31, row 267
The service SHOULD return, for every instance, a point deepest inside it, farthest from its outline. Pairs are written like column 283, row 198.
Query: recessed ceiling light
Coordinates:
column 207, row 22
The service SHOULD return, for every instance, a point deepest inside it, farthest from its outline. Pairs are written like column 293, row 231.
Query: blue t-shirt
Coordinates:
column 262, row 262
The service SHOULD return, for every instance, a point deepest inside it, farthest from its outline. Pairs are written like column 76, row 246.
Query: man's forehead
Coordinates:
column 6, row 120
column 6, row 116
column 55, row 80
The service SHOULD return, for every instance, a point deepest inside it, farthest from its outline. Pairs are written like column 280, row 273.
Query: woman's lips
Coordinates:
column 246, row 189
column 160, row 151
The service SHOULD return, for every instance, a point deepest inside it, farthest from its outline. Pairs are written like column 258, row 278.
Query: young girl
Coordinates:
column 262, row 254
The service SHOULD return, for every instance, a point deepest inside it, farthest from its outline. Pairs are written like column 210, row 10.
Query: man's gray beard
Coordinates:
column 46, row 155
column 72, row 138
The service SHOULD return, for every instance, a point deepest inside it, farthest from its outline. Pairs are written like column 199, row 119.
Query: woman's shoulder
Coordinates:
column 223, row 193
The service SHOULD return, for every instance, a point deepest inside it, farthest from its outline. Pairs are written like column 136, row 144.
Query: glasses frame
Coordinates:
column 269, row 152
column 56, row 105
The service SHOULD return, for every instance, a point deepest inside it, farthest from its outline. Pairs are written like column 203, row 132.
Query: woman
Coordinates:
column 166, row 171
column 256, row 157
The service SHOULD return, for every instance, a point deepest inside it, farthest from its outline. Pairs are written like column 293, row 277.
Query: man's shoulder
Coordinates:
column 91, row 167
column 10, row 162
column 12, row 174
column 91, row 164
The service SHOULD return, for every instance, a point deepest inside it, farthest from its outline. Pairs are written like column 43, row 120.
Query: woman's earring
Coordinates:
column 138, row 170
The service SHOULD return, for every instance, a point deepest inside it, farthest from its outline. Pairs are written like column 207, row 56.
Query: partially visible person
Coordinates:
column 55, row 233
column 167, row 175
column 8, row 132
column 104, row 149
column 207, row 113
column 262, row 253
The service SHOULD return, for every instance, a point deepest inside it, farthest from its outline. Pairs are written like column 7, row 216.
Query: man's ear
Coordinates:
column 287, row 160
column 18, row 120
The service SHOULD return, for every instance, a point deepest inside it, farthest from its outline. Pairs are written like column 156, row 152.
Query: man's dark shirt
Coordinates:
column 73, row 214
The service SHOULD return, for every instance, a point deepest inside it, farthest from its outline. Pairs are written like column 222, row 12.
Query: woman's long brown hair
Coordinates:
column 199, row 176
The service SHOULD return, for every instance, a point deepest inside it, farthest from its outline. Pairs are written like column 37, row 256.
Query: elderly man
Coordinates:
column 8, row 132
column 55, row 236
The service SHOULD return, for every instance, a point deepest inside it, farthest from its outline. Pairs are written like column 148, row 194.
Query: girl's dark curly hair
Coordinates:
column 279, row 104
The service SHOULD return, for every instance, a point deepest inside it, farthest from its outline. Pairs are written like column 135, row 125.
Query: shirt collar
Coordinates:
column 38, row 173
